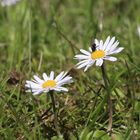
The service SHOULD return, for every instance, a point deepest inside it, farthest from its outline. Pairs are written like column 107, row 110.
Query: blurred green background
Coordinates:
column 38, row 36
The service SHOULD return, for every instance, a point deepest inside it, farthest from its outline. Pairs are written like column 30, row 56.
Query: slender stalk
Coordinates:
column 30, row 36
column 55, row 113
column 72, row 45
column 109, row 98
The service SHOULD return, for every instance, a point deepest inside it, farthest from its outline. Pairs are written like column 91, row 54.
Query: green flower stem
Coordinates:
column 109, row 98
column 55, row 113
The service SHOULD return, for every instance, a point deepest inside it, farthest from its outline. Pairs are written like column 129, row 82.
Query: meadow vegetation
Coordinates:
column 38, row 36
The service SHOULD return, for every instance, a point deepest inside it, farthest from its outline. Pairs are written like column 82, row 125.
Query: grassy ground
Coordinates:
column 40, row 36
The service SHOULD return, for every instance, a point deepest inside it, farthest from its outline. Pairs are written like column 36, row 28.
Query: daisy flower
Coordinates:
column 48, row 83
column 99, row 52
column 8, row 2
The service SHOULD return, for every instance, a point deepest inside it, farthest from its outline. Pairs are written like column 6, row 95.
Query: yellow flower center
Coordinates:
column 49, row 83
column 98, row 54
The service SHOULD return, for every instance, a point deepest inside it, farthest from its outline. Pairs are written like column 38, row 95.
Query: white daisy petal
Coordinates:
column 64, row 81
column 89, row 65
column 28, row 90
column 46, row 90
column 33, row 87
column 65, row 73
column 37, row 92
column 90, row 49
column 138, row 30
column 62, row 89
column 83, row 65
column 101, row 45
column 117, row 50
column 110, row 58
column 81, row 62
column 99, row 62
column 106, row 43
column 38, row 80
column 52, row 75
column 86, row 68
column 96, row 42
column 45, row 77
column 59, row 76
column 81, row 56
column 32, row 84
column 113, row 47
column 110, row 44
column 85, row 52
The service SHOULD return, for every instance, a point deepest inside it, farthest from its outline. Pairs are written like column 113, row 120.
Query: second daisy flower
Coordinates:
column 102, row 51
column 48, row 83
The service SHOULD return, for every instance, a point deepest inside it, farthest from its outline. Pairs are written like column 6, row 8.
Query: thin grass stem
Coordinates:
column 106, row 82
column 55, row 113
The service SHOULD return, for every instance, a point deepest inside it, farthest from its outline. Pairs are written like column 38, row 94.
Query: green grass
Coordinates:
column 40, row 36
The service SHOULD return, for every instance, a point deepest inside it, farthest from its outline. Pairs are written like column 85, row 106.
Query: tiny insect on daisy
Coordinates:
column 8, row 2
column 48, row 83
column 98, row 52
